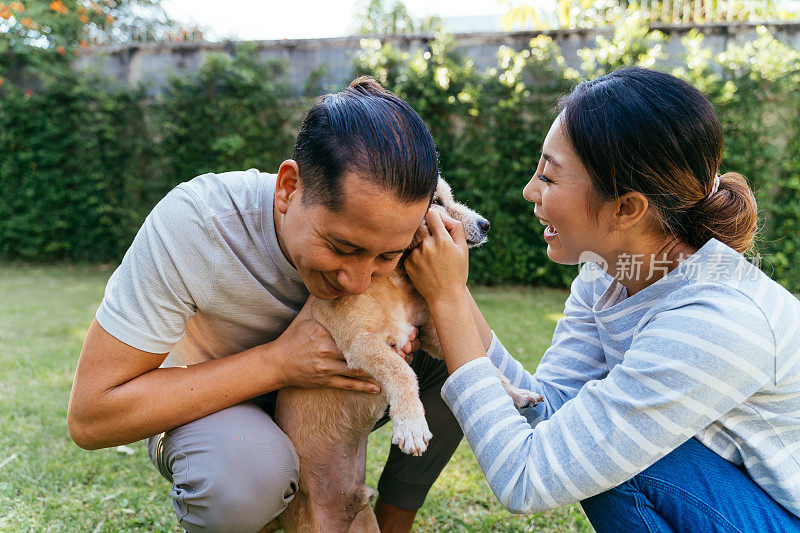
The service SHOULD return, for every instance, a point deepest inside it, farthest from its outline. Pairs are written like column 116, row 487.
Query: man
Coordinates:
column 205, row 319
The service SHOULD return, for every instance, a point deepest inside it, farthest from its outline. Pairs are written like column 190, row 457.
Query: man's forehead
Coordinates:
column 357, row 187
column 361, row 195
column 373, row 219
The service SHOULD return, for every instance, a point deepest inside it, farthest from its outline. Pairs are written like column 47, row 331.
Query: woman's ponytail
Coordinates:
column 729, row 215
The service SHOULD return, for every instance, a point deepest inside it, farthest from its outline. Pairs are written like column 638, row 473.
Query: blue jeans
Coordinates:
column 690, row 489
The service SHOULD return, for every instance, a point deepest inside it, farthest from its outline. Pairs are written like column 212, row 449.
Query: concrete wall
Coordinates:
column 152, row 63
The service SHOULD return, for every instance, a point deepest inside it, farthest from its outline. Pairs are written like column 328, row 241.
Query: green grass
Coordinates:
column 52, row 485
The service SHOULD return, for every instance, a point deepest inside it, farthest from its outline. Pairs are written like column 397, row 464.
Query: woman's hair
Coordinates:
column 367, row 130
column 638, row 130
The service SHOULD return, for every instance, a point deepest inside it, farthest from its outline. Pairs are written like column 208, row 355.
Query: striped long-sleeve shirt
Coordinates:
column 711, row 350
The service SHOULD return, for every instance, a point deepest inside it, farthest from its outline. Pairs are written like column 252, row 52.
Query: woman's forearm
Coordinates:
column 459, row 337
column 483, row 327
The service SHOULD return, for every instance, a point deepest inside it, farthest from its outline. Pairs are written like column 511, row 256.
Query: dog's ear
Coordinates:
column 415, row 241
column 422, row 230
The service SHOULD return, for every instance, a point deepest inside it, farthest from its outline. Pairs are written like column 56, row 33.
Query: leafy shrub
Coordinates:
column 233, row 113
column 72, row 158
column 489, row 127
column 81, row 162
column 754, row 90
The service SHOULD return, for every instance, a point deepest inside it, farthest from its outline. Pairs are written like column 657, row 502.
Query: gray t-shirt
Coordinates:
column 205, row 276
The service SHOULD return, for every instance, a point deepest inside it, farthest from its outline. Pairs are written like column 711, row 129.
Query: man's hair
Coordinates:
column 369, row 131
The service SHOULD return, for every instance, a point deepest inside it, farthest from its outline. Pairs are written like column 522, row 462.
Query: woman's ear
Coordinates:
column 629, row 209
column 287, row 186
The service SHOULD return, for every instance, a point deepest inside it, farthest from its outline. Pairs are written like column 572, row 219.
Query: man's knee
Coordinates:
column 240, row 502
column 237, row 481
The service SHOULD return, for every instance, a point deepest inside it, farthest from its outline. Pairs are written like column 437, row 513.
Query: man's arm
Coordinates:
column 120, row 395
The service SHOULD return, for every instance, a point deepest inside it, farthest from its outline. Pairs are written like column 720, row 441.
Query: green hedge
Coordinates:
column 71, row 183
column 82, row 163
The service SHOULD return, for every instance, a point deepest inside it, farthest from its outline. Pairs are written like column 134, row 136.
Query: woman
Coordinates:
column 671, row 392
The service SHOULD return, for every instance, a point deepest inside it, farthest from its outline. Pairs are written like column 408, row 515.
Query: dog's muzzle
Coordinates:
column 481, row 229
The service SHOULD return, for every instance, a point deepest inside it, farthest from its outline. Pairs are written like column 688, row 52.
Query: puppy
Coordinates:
column 329, row 427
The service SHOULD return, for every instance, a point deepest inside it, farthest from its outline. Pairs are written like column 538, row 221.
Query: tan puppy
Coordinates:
column 329, row 427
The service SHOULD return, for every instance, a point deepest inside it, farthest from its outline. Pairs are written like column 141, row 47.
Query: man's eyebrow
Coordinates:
column 552, row 160
column 345, row 242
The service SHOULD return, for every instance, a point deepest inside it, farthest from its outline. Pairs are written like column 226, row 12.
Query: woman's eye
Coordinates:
column 389, row 259
column 543, row 178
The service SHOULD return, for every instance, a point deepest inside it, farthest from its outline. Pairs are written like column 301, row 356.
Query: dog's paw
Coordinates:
column 411, row 434
column 521, row 397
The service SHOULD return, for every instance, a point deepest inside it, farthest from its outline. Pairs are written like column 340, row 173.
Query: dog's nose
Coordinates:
column 484, row 225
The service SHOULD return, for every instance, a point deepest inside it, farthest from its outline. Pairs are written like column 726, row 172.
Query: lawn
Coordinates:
column 49, row 484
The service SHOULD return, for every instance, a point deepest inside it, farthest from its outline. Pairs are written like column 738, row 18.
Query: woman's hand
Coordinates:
column 439, row 266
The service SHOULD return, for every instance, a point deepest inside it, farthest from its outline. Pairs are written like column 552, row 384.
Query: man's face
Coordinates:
column 337, row 253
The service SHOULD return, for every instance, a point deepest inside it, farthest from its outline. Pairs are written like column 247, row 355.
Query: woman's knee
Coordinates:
column 625, row 508
column 690, row 489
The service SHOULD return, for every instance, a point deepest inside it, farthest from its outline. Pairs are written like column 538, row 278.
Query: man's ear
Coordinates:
column 629, row 209
column 287, row 186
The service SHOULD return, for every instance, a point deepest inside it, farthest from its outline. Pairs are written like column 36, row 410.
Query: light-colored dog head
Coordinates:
column 475, row 226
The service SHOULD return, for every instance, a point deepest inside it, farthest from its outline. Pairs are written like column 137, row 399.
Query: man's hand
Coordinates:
column 309, row 357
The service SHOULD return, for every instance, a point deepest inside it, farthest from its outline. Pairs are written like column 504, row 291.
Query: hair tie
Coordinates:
column 715, row 187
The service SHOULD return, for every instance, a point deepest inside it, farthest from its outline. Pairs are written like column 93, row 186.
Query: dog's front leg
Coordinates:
column 429, row 341
column 377, row 357
column 521, row 397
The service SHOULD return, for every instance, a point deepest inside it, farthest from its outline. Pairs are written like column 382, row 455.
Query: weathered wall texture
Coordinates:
column 152, row 63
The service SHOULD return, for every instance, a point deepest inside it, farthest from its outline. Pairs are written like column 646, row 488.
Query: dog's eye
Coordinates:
column 437, row 201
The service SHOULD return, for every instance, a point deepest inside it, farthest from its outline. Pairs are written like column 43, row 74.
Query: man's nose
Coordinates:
column 356, row 278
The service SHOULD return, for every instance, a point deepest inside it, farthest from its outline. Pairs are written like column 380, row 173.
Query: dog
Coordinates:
column 329, row 427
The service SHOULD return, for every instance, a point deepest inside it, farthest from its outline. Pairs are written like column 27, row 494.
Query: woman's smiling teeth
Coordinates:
column 550, row 230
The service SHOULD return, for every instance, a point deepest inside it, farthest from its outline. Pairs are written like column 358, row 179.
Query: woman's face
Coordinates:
column 560, row 191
